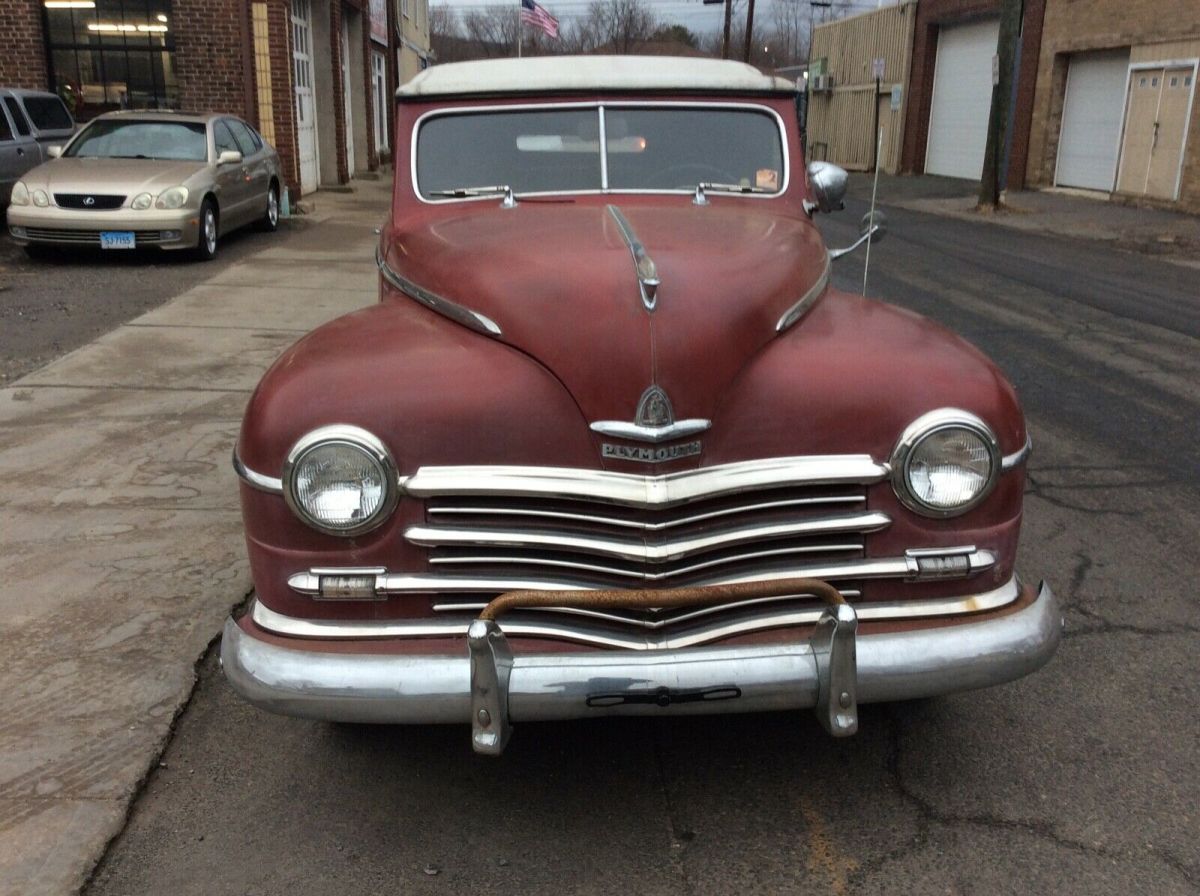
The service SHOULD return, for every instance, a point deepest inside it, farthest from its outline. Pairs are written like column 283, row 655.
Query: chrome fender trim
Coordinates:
column 423, row 689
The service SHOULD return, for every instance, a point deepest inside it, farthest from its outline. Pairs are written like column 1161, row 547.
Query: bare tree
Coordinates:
column 788, row 36
column 617, row 25
column 491, row 32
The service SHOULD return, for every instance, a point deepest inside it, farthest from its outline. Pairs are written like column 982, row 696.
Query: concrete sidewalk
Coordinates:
column 121, row 547
column 1173, row 235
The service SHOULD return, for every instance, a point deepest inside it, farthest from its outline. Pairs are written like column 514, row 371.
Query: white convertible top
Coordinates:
column 548, row 74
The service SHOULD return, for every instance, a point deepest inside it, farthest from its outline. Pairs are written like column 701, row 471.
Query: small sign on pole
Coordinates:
column 877, row 68
column 897, row 96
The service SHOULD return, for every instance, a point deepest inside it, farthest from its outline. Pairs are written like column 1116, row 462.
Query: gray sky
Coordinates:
column 692, row 13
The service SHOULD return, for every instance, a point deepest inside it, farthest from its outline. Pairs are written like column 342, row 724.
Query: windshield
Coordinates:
column 182, row 141
column 558, row 150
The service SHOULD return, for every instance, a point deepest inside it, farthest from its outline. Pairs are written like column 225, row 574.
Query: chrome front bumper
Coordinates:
column 489, row 687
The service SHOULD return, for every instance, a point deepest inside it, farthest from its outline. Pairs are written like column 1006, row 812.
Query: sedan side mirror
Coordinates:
column 53, row 152
column 229, row 157
column 828, row 184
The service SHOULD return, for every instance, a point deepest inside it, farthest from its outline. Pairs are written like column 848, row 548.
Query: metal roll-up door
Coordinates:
column 962, row 99
column 1093, row 108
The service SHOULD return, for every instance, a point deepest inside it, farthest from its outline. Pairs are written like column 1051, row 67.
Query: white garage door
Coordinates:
column 962, row 99
column 1091, row 122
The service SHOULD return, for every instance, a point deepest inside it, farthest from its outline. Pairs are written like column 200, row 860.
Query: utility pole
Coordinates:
column 725, row 39
column 1011, row 13
column 749, row 30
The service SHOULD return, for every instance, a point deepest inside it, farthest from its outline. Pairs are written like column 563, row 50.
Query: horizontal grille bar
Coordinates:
column 603, row 633
column 641, row 575
column 90, row 237
column 653, row 552
column 633, row 490
column 609, row 520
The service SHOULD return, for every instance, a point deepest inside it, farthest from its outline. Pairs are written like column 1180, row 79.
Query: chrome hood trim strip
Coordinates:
column 907, row 567
column 458, row 313
column 647, row 272
column 596, row 633
column 256, row 480
column 806, row 301
column 635, row 490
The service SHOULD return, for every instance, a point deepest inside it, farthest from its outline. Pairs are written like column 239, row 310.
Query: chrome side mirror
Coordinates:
column 53, row 152
column 872, row 228
column 229, row 157
column 828, row 184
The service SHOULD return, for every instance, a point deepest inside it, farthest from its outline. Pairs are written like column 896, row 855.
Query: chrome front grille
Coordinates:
column 88, row 202
column 605, row 530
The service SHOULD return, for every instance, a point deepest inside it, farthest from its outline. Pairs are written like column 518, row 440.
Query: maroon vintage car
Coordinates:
column 611, row 443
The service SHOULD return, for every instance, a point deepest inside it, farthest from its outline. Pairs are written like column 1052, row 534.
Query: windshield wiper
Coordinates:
column 509, row 200
column 706, row 186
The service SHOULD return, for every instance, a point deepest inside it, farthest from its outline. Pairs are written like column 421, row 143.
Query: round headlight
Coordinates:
column 40, row 199
column 340, row 480
column 172, row 198
column 19, row 195
column 141, row 201
column 945, row 463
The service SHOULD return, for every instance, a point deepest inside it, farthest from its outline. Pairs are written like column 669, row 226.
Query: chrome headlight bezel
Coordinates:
column 141, row 202
column 353, row 437
column 922, row 428
column 40, row 198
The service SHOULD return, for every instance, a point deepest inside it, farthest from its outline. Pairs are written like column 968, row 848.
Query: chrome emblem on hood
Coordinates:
column 650, row 455
column 654, row 409
column 654, row 421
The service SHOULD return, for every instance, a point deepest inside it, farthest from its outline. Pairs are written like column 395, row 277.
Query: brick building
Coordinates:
column 316, row 77
column 1115, row 108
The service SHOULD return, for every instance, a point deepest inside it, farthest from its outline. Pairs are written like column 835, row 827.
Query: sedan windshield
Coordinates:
column 182, row 141
column 559, row 150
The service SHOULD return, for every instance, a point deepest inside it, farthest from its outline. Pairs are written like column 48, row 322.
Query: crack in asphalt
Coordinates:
column 1038, row 490
column 679, row 838
column 928, row 815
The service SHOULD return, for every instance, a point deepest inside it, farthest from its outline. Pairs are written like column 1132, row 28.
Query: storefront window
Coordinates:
column 112, row 54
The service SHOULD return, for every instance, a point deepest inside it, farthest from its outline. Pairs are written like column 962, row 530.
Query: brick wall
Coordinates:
column 211, row 46
column 279, row 28
column 1073, row 26
column 23, row 57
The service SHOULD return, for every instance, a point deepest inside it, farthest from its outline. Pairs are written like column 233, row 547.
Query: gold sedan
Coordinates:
column 133, row 179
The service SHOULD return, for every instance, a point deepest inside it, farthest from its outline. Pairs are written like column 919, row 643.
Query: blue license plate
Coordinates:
column 116, row 239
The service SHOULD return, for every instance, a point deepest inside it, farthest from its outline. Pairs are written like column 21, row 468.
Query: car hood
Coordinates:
column 125, row 176
column 560, row 282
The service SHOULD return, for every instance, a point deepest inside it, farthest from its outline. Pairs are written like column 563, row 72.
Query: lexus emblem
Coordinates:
column 89, row 200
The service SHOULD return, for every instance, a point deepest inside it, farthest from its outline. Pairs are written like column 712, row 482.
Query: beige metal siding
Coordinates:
column 841, row 122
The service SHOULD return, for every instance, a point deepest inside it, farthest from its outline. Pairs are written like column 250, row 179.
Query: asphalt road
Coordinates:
column 50, row 306
column 1082, row 779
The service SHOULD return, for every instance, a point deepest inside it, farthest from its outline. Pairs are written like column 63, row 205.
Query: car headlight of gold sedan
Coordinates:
column 173, row 198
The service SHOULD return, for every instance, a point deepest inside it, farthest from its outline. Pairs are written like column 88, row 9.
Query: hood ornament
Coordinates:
column 654, row 421
column 647, row 273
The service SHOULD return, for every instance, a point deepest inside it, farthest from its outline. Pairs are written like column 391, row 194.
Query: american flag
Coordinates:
column 536, row 15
